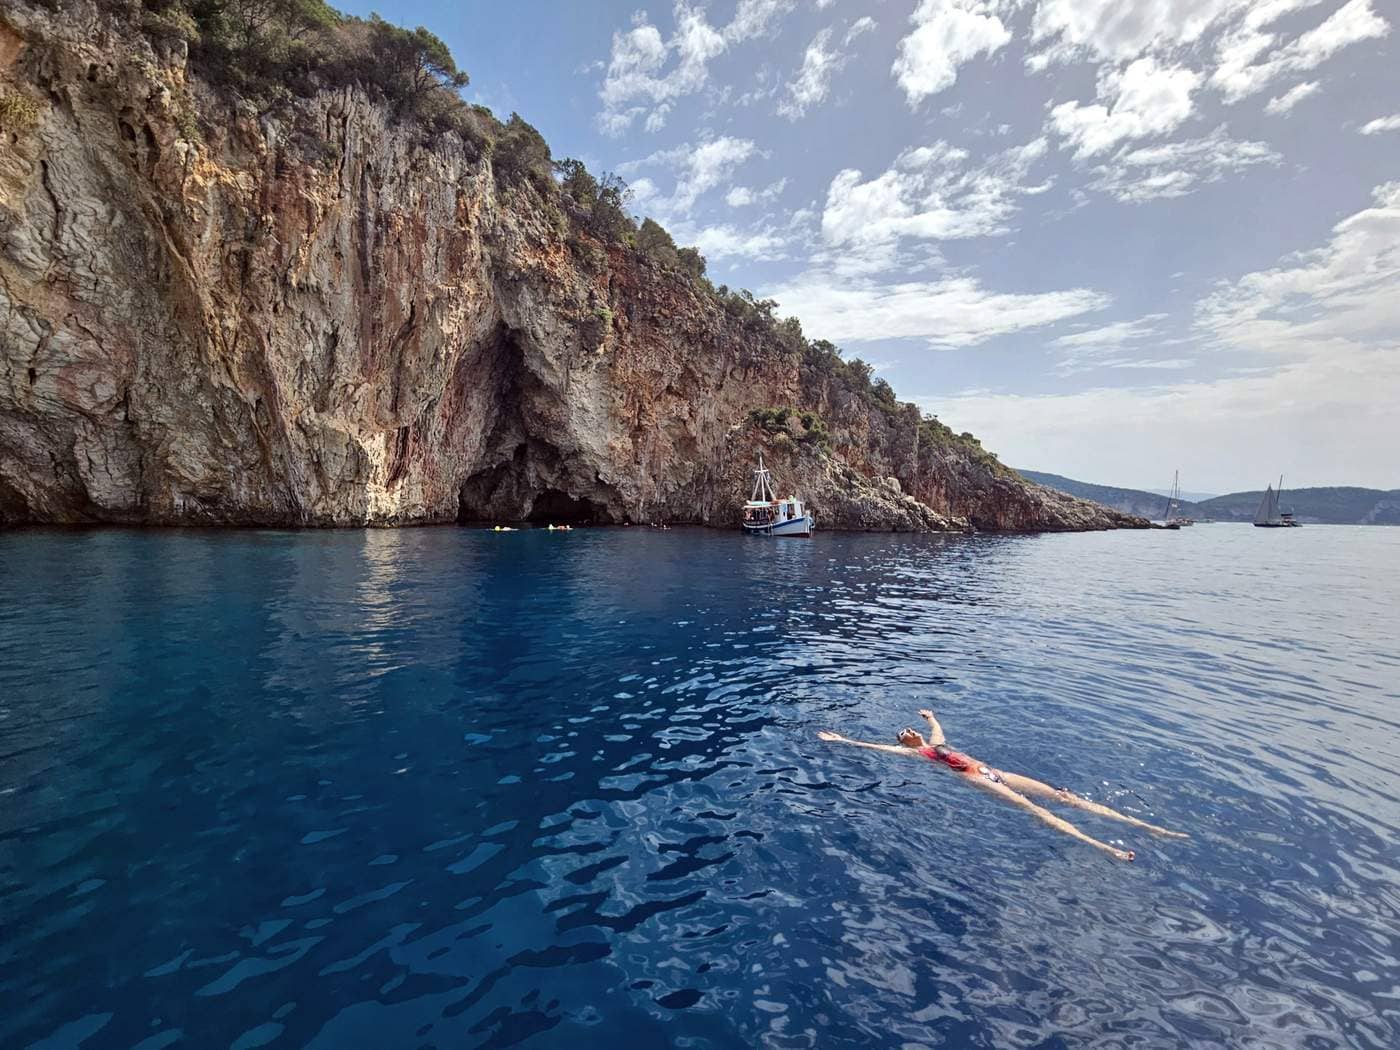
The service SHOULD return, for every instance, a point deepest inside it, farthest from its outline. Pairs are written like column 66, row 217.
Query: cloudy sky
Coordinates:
column 1113, row 238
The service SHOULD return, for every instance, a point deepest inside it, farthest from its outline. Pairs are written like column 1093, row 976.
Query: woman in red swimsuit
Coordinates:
column 1010, row 787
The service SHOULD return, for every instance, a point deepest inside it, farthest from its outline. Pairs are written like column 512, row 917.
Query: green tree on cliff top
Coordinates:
column 654, row 242
column 417, row 61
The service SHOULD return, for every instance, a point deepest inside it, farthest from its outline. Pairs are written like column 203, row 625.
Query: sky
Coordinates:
column 1112, row 238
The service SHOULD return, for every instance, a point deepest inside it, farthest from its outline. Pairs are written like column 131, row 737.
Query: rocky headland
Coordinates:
column 321, row 309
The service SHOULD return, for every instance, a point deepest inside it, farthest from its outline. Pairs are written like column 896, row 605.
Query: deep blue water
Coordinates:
column 451, row 788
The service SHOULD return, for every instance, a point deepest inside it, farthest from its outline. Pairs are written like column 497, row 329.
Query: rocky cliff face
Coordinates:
column 323, row 318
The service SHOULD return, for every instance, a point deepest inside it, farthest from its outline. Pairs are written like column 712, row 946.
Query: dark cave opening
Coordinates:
column 529, row 466
column 557, row 507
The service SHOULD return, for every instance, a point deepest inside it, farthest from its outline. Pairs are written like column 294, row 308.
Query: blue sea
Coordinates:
column 455, row 788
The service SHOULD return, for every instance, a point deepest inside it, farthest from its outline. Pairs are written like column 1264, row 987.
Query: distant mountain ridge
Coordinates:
column 1146, row 504
column 1194, row 497
column 1336, row 505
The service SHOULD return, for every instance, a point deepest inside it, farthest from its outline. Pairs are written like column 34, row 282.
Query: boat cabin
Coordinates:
column 771, row 512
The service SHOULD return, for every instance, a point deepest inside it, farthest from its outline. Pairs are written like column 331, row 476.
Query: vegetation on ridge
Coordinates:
column 778, row 421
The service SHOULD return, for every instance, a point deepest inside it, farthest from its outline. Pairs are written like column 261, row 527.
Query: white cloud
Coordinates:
column 656, row 119
column 945, row 311
column 698, row 169
column 1143, row 99
column 1175, row 169
column 946, row 34
column 1375, row 127
column 645, row 193
column 931, row 193
column 1318, row 420
column 1172, row 363
column 1104, row 347
column 637, row 82
column 719, row 242
column 813, row 81
column 755, row 18
column 1281, row 104
column 1343, row 298
column 1328, row 320
column 1110, row 336
column 858, row 28
column 1116, row 30
column 744, row 196
column 1241, row 71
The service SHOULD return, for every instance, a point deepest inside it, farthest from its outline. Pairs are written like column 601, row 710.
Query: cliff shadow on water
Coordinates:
column 262, row 275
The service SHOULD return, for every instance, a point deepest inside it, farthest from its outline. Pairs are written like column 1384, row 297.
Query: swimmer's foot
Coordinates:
column 1124, row 854
column 1164, row 832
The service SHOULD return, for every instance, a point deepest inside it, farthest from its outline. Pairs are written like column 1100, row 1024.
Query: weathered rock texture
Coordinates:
column 207, row 316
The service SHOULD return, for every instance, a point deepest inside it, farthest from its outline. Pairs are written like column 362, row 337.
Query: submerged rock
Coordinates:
column 326, row 316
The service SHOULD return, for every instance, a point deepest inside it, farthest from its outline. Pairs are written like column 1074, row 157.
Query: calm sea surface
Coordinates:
column 451, row 788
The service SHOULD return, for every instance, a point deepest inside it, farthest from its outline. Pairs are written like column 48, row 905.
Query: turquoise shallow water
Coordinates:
column 447, row 788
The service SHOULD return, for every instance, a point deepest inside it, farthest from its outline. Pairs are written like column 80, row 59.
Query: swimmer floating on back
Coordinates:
column 1009, row 787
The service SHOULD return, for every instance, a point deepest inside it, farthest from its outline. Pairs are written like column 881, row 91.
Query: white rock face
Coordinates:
column 326, row 319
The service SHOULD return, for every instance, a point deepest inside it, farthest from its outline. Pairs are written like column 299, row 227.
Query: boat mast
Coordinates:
column 762, row 492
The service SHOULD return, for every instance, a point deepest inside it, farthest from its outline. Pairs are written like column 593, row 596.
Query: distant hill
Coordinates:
column 1129, row 501
column 1323, row 506
column 1186, row 494
column 1331, row 506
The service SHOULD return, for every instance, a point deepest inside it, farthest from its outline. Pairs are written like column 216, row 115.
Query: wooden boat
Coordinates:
column 766, row 515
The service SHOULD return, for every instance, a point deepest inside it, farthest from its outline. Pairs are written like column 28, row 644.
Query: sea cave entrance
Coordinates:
column 554, row 506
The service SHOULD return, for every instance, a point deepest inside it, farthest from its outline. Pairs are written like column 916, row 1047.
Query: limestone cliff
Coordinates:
column 323, row 316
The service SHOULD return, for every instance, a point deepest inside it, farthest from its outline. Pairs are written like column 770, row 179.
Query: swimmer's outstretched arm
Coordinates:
column 837, row 738
column 935, row 731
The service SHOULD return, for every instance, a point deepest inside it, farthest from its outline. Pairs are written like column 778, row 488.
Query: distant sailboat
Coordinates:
column 1268, row 516
column 1174, row 518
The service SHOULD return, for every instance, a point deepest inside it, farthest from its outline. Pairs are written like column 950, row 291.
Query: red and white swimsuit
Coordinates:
column 960, row 763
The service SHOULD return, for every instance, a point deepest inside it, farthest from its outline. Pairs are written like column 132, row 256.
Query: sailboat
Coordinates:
column 767, row 515
column 1177, row 520
column 1268, row 516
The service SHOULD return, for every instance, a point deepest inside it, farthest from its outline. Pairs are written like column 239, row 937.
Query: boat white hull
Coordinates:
column 803, row 526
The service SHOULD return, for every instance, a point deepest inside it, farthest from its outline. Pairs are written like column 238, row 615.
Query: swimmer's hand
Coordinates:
column 828, row 735
column 926, row 714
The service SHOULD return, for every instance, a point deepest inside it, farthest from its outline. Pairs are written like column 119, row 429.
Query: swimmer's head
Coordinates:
column 910, row 737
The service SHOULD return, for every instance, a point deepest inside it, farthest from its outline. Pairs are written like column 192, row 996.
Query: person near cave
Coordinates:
column 1011, row 788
